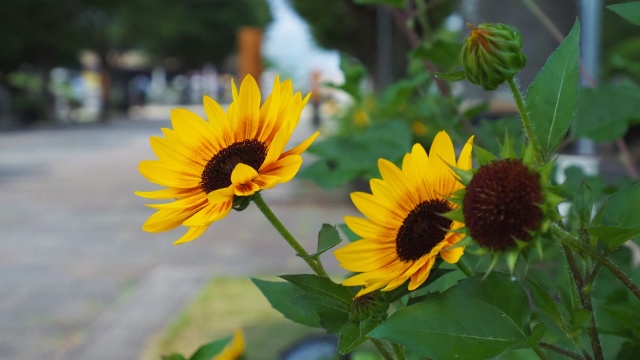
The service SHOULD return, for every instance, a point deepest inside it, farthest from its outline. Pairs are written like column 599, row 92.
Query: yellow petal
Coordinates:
column 218, row 119
column 275, row 148
column 396, row 178
column 161, row 174
column 465, row 159
column 221, row 195
column 302, row 147
column 371, row 207
column 441, row 177
column 243, row 174
column 248, row 108
column 167, row 219
column 210, row 213
column 370, row 288
column 370, row 230
column 191, row 234
column 194, row 131
column 266, row 181
column 269, row 113
column 421, row 275
column 168, row 193
column 452, row 255
column 285, row 169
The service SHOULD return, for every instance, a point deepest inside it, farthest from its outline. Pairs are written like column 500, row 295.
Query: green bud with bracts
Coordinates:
column 492, row 54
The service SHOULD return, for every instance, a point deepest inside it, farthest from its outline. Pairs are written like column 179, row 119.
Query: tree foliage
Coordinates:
column 48, row 33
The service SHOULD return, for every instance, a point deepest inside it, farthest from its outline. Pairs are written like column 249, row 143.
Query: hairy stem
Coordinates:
column 575, row 244
column 316, row 266
column 559, row 350
column 585, row 299
column 526, row 122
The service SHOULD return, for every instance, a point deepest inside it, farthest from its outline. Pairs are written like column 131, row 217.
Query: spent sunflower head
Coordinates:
column 205, row 165
column 502, row 204
column 403, row 232
column 508, row 203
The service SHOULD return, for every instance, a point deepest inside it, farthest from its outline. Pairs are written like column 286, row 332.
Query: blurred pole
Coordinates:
column 384, row 26
column 591, row 19
column 249, row 53
column 316, row 98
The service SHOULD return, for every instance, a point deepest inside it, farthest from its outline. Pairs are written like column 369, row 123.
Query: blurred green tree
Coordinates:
column 47, row 33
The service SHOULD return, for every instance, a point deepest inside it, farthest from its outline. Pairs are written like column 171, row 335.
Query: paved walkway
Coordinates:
column 80, row 280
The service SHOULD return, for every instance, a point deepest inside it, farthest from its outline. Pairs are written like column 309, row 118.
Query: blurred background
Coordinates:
column 85, row 83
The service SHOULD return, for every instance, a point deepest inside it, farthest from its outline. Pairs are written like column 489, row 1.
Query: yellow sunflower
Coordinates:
column 403, row 232
column 234, row 350
column 204, row 165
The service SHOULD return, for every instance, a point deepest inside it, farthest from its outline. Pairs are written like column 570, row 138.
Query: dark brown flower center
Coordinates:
column 217, row 173
column 502, row 204
column 422, row 229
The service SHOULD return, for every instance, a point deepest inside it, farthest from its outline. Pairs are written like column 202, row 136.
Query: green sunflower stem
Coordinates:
column 382, row 349
column 577, row 245
column 462, row 265
column 559, row 350
column 526, row 122
column 314, row 264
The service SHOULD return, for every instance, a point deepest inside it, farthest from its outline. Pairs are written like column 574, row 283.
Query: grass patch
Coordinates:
column 224, row 305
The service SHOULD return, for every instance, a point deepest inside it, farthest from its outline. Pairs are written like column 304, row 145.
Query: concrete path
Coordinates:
column 80, row 280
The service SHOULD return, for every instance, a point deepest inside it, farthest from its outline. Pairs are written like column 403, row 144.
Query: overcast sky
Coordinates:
column 288, row 44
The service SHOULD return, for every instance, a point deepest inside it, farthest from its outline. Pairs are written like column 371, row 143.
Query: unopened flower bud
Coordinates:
column 366, row 306
column 492, row 54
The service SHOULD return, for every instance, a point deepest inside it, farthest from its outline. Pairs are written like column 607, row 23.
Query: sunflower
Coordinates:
column 403, row 232
column 204, row 165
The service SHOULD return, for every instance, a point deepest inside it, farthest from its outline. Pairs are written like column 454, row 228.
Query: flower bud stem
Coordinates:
column 577, row 245
column 526, row 122
column 314, row 264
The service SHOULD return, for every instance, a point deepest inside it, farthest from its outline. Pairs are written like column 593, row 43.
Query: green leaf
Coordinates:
column 450, row 76
column 328, row 237
column 351, row 236
column 583, row 204
column 619, row 220
column 606, row 112
column 280, row 295
column 544, row 302
column 444, row 54
column 613, row 236
column 581, row 318
column 630, row 11
column 552, row 98
column 353, row 334
column 346, row 158
column 321, row 287
column 474, row 319
column 396, row 3
column 208, row 351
